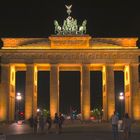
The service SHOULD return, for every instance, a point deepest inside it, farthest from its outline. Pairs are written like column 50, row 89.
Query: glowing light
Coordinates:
column 121, row 97
column 18, row 97
column 121, row 94
column 18, row 94
column 92, row 118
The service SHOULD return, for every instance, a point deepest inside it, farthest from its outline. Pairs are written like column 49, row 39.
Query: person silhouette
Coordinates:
column 61, row 120
column 126, row 126
column 49, row 122
column 114, row 122
column 56, row 122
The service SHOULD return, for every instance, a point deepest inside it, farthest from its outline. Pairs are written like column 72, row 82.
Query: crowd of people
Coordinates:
column 39, row 122
column 125, row 126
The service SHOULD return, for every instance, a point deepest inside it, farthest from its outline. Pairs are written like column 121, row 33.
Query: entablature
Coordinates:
column 72, row 56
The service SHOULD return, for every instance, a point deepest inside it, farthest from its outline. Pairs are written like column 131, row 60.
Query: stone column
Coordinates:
column 127, row 87
column 104, row 84
column 54, row 89
column 4, row 94
column 134, row 92
column 85, row 92
column 108, row 92
column 31, row 91
column 12, row 93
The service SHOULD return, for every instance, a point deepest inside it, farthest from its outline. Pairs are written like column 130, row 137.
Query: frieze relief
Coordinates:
column 65, row 56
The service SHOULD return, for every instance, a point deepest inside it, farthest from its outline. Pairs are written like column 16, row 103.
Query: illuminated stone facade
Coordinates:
column 67, row 53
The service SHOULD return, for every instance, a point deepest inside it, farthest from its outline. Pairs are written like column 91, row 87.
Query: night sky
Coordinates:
column 35, row 19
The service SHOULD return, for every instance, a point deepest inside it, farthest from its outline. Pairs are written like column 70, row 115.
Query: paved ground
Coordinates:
column 71, row 131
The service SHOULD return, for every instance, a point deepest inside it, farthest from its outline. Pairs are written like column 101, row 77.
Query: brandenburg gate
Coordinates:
column 69, row 50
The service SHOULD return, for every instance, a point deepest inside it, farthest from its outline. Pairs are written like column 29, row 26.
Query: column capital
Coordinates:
column 30, row 64
column 85, row 64
column 109, row 64
column 54, row 64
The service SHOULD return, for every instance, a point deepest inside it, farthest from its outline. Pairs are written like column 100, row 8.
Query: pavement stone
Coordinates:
column 71, row 131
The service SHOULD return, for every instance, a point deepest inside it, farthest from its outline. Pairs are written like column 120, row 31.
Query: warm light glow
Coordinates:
column 121, row 97
column 96, row 67
column 18, row 42
column 42, row 67
column 20, row 67
column 86, row 112
column 127, row 74
column 38, row 110
column 126, row 42
column 18, row 97
column 79, row 42
column 18, row 93
column 67, row 42
column 137, row 111
column 69, row 67
column 53, row 110
column 12, row 74
column 2, row 113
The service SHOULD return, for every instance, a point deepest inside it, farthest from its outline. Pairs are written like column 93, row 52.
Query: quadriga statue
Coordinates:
column 58, row 28
column 82, row 29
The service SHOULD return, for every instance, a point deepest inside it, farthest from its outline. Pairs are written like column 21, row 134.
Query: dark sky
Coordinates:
column 34, row 18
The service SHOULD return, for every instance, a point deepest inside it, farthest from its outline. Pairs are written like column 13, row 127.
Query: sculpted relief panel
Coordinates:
column 68, row 57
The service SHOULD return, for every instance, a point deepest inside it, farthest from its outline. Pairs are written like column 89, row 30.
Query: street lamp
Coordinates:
column 38, row 110
column 121, row 98
column 18, row 97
